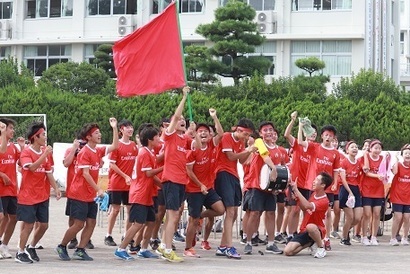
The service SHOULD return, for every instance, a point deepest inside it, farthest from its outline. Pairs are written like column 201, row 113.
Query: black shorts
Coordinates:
column 83, row 210
column 399, row 208
column 161, row 200
column 372, row 201
column 33, row 213
column 196, row 200
column 344, row 195
column 9, row 205
column 174, row 195
column 335, row 197
column 303, row 239
column 331, row 198
column 67, row 207
column 141, row 214
column 228, row 188
column 291, row 201
column 245, row 201
column 155, row 200
column 260, row 200
column 281, row 197
column 119, row 197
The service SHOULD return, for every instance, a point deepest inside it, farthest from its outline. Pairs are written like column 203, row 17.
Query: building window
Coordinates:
column 89, row 52
column 109, row 7
column 6, row 9
column 5, row 53
column 185, row 6
column 268, row 50
column 40, row 58
column 49, row 8
column 402, row 34
column 313, row 5
column 402, row 6
column 260, row 5
column 337, row 56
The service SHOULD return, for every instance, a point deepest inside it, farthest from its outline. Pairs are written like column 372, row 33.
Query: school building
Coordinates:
column 347, row 35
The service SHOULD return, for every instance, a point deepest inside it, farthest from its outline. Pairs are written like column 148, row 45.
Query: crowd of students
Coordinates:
column 166, row 166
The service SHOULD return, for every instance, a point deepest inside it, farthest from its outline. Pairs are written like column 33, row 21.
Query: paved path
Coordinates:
column 342, row 259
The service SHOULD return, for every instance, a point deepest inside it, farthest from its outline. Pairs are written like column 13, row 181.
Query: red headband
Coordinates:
column 91, row 131
column 245, row 129
column 348, row 144
column 375, row 142
column 39, row 131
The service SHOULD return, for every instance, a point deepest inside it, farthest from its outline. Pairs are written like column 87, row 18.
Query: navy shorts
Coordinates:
column 155, row 200
column 33, row 213
column 141, row 214
column 196, row 200
column 228, row 188
column 174, row 195
column 9, row 205
column 303, row 239
column 281, row 197
column 372, row 201
column 344, row 195
column 83, row 210
column 335, row 197
column 245, row 201
column 67, row 207
column 260, row 200
column 119, row 197
column 1, row 206
column 401, row 208
column 331, row 198
column 161, row 200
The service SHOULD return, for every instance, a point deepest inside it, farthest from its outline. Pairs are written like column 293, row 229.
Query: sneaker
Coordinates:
column 23, row 258
column 273, row 249
column 373, row 241
column 123, row 255
column 32, row 254
column 39, row 246
column 357, row 239
column 394, row 242
column 345, row 242
column 313, row 249
column 205, row 245
column 254, row 241
column 109, row 241
column 62, row 253
column 398, row 237
column 191, row 253
column 134, row 249
column 173, row 247
column 81, row 254
column 4, row 252
column 404, row 241
column 242, row 241
column 248, row 249
column 89, row 245
column 147, row 254
column 220, row 251
column 260, row 241
column 320, row 253
column 335, row 235
column 232, row 253
column 73, row 244
column 327, row 245
column 178, row 237
column 279, row 239
column 365, row 241
column 172, row 257
column 154, row 244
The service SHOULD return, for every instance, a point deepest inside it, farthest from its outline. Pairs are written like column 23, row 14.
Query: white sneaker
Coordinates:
column 365, row 241
column 373, row 241
column 394, row 242
column 4, row 252
column 404, row 241
column 320, row 253
column 313, row 249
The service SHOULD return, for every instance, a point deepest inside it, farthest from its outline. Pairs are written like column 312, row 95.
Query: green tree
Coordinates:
column 310, row 64
column 76, row 78
column 9, row 74
column 103, row 59
column 234, row 35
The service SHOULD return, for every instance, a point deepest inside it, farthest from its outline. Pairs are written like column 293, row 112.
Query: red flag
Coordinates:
column 149, row 61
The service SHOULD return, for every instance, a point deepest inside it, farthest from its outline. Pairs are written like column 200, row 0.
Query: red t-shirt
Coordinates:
column 228, row 143
column 8, row 161
column 201, row 159
column 353, row 171
column 400, row 187
column 316, row 216
column 325, row 160
column 34, row 186
column 175, row 158
column 86, row 158
column 70, row 171
column 142, row 189
column 300, row 163
column 373, row 187
column 124, row 157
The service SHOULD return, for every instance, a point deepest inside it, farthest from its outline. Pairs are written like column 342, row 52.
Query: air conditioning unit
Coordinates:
column 122, row 21
column 266, row 22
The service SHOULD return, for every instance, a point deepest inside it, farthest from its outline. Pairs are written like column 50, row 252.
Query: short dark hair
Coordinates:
column 33, row 129
column 326, row 179
column 7, row 122
column 246, row 123
column 202, row 125
column 125, row 123
column 85, row 130
column 266, row 123
column 144, row 125
column 328, row 128
column 148, row 133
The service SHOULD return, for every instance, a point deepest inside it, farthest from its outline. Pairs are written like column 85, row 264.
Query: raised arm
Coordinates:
column 218, row 126
column 288, row 130
column 114, row 145
column 178, row 111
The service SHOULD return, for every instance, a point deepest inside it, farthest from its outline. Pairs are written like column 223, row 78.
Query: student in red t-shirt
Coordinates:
column 142, row 211
column 34, row 193
column 9, row 155
column 400, row 197
column 84, row 188
column 122, row 162
column 312, row 229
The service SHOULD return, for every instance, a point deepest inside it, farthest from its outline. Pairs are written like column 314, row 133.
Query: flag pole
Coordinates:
column 183, row 62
